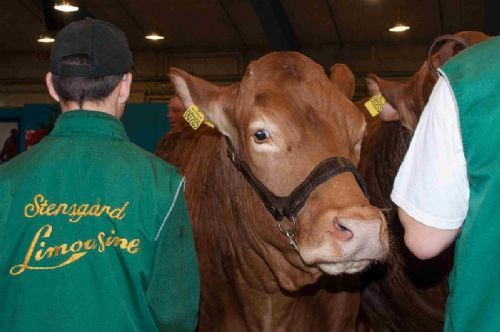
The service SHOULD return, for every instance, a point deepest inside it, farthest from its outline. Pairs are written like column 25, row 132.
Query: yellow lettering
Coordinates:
column 82, row 210
column 121, row 242
column 50, row 208
column 104, row 208
column 72, row 211
column 100, row 238
column 75, row 212
column 94, row 209
column 75, row 251
column 63, row 207
column 133, row 246
column 119, row 213
column 79, row 212
column 74, row 245
column 39, row 253
column 43, row 206
column 109, row 240
column 20, row 268
column 56, row 250
column 89, row 244
column 32, row 210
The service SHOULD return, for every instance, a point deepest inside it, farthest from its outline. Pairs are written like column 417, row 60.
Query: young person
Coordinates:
column 449, row 183
column 94, row 231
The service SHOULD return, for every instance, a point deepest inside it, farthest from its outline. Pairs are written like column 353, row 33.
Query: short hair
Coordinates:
column 82, row 89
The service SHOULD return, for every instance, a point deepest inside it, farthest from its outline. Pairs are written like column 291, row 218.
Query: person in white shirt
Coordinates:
column 448, row 186
column 431, row 187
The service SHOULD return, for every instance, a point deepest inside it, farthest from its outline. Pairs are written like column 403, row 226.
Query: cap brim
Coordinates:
column 134, row 70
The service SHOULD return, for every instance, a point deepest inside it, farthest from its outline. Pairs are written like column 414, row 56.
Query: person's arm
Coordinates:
column 425, row 241
column 431, row 188
column 174, row 292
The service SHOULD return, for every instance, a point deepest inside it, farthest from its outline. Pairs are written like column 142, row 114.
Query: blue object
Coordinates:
column 145, row 123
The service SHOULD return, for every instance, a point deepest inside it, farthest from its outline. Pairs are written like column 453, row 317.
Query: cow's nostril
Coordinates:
column 344, row 232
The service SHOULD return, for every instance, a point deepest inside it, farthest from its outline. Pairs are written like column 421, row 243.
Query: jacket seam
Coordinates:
column 170, row 209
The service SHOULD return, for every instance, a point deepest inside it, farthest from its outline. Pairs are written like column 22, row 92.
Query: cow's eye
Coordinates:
column 261, row 136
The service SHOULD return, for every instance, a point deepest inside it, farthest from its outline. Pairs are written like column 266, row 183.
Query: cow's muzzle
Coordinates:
column 289, row 206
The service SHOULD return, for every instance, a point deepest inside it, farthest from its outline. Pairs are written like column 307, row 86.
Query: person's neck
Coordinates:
column 91, row 106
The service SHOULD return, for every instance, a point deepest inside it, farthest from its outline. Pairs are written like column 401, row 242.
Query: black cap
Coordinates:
column 104, row 44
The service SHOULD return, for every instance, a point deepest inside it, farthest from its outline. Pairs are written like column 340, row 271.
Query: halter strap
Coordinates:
column 289, row 206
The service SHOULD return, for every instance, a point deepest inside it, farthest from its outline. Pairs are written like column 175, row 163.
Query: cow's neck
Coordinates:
column 236, row 234
column 243, row 275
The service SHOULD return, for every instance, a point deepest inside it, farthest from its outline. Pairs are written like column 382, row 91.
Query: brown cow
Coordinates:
column 405, row 294
column 284, row 118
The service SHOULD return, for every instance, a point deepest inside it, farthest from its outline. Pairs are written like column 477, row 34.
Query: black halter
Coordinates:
column 289, row 206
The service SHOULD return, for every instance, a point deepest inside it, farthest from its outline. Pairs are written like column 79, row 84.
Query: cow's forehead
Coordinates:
column 294, row 90
column 283, row 77
column 278, row 66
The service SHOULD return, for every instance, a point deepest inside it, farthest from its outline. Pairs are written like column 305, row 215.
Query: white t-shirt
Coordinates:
column 432, row 185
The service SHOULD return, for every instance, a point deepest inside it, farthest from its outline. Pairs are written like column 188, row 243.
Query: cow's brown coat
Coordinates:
column 251, row 278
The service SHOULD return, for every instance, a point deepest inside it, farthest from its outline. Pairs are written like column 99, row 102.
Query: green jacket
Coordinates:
column 94, row 235
column 474, row 301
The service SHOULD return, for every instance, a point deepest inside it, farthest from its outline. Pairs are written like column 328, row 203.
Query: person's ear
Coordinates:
column 50, row 87
column 124, row 88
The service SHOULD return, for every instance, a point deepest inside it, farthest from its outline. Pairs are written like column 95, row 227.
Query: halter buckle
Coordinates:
column 289, row 232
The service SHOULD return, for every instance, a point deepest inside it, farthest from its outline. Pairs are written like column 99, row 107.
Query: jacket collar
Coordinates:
column 90, row 123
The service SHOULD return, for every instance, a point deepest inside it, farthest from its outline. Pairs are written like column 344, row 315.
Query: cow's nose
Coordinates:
column 342, row 229
column 362, row 239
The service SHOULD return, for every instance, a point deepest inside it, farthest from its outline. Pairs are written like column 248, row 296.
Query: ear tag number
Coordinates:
column 375, row 105
column 195, row 117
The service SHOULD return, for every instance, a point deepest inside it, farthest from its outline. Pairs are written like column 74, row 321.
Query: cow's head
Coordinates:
column 284, row 118
column 405, row 101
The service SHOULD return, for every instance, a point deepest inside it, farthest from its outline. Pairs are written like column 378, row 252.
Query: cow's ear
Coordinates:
column 396, row 107
column 214, row 101
column 378, row 86
column 452, row 47
column 448, row 50
column 343, row 78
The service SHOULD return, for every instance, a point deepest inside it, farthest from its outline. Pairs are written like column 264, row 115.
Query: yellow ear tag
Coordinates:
column 195, row 117
column 375, row 105
column 209, row 123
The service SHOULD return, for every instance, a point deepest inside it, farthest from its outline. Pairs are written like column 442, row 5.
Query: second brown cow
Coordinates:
column 405, row 294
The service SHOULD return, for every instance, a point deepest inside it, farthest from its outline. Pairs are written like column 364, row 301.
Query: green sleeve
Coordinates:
column 174, row 292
